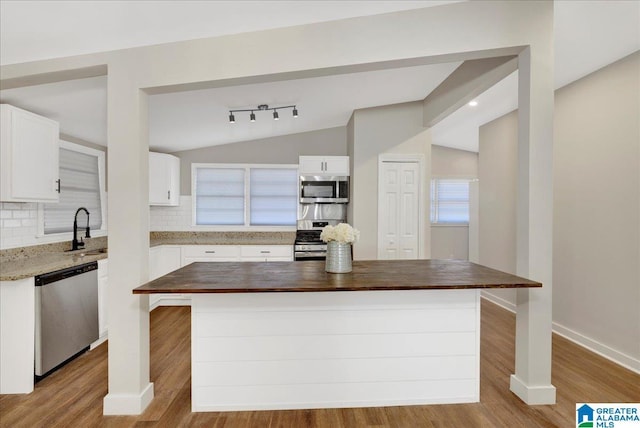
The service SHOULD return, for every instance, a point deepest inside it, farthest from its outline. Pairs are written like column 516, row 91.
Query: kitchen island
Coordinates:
column 287, row 335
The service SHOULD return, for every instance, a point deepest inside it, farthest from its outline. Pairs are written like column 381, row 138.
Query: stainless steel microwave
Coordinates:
column 316, row 189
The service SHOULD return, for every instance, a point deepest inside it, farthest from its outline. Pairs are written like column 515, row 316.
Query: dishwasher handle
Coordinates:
column 59, row 275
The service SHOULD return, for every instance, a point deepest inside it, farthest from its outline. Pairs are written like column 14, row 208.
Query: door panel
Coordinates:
column 400, row 190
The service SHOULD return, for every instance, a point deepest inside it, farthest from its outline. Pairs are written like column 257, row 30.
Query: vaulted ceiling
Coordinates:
column 588, row 36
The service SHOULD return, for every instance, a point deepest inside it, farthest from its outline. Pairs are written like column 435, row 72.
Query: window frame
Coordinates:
column 67, row 145
column 247, row 198
column 469, row 179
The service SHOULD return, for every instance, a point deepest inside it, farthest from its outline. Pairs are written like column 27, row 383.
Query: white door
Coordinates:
column 399, row 219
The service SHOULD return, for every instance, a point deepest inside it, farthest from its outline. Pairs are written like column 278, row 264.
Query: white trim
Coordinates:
column 418, row 158
column 579, row 339
column 247, row 199
column 624, row 360
column 170, row 301
column 55, row 237
column 532, row 395
column 128, row 404
column 503, row 303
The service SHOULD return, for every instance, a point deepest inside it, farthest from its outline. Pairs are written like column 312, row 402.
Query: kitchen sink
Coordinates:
column 83, row 253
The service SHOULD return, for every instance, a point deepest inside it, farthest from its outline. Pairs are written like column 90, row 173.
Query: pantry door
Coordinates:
column 399, row 210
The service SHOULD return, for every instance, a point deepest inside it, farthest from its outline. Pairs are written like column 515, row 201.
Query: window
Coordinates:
column 449, row 201
column 251, row 195
column 81, row 185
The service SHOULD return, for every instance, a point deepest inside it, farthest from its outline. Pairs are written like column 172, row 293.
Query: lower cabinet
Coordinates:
column 17, row 326
column 103, row 275
column 162, row 260
column 266, row 253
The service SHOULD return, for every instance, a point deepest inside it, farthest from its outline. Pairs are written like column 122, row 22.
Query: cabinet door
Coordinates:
column 164, row 179
column 324, row 165
column 336, row 165
column 30, row 152
column 103, row 275
column 163, row 260
column 266, row 252
column 311, row 165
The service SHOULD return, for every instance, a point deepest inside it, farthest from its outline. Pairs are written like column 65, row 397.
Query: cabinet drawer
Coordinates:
column 266, row 251
column 210, row 251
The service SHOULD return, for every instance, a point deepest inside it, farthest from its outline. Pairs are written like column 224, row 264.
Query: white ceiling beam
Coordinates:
column 471, row 79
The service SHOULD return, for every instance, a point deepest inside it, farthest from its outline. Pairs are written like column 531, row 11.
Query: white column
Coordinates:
column 129, row 388
column 532, row 380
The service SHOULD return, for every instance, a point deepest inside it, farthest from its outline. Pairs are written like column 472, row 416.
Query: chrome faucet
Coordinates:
column 75, row 244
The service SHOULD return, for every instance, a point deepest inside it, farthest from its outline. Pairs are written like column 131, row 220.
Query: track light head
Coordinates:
column 261, row 107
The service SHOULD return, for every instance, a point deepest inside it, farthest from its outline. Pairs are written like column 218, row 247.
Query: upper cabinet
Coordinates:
column 29, row 150
column 164, row 179
column 324, row 165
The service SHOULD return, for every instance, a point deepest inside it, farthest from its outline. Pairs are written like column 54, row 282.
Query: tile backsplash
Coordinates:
column 171, row 219
column 18, row 224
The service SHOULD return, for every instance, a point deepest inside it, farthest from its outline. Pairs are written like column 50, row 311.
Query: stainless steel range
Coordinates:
column 312, row 218
column 308, row 245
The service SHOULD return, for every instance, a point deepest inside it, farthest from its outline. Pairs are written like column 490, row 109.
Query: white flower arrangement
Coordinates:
column 343, row 233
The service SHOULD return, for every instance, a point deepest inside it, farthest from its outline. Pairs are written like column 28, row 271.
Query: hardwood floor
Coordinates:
column 72, row 396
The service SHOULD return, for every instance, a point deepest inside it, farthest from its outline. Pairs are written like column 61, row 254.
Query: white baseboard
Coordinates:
column 170, row 302
column 594, row 346
column 128, row 404
column 99, row 342
column 505, row 304
column 533, row 395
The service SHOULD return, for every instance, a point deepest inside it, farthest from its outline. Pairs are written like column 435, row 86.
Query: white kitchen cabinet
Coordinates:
column 210, row 253
column 163, row 260
column 324, row 165
column 17, row 336
column 103, row 275
column 266, row 253
column 164, row 179
column 29, row 151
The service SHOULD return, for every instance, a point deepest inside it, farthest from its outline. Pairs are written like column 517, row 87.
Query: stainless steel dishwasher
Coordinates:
column 66, row 315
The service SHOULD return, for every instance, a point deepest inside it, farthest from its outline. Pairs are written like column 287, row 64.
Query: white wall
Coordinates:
column 497, row 171
column 597, row 207
column 389, row 129
column 283, row 149
column 596, row 251
column 451, row 241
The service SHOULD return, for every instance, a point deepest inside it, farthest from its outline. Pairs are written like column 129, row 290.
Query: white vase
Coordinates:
column 338, row 257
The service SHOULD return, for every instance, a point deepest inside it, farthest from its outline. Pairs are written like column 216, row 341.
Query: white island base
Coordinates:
column 291, row 350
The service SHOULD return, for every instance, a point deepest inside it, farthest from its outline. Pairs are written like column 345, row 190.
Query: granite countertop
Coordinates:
column 222, row 238
column 25, row 262
column 310, row 276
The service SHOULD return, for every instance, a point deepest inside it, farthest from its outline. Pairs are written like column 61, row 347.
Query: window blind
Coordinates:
column 79, row 187
column 274, row 196
column 449, row 201
column 220, row 196
column 253, row 195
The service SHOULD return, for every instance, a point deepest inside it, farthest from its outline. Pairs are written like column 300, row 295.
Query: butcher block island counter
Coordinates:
column 288, row 335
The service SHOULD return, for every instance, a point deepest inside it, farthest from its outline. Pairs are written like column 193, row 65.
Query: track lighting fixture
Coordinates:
column 262, row 107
